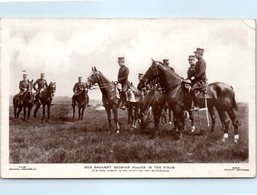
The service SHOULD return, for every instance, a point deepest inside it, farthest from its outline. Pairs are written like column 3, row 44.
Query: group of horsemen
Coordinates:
column 196, row 76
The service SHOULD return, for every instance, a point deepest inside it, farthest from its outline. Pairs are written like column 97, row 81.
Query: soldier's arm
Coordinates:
column 74, row 88
column 20, row 86
column 124, row 76
column 202, row 70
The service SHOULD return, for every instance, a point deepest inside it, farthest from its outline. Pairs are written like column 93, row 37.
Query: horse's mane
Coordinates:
column 172, row 70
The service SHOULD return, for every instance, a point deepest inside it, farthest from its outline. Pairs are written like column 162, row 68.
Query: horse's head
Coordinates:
column 52, row 88
column 93, row 78
column 30, row 85
column 152, row 75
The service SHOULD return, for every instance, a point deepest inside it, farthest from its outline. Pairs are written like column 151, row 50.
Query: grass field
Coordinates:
column 64, row 140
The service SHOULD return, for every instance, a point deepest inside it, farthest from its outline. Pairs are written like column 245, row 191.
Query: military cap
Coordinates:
column 140, row 74
column 165, row 60
column 121, row 59
column 24, row 74
column 42, row 74
column 79, row 77
column 199, row 50
column 191, row 57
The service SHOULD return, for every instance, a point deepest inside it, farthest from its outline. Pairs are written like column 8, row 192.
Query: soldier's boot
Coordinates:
column 195, row 105
column 123, row 100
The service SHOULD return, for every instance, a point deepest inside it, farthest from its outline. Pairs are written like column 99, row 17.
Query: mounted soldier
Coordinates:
column 123, row 80
column 23, row 86
column 40, row 85
column 198, row 78
column 77, row 89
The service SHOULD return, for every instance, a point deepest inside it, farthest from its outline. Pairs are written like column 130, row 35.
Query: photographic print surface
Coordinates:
column 127, row 98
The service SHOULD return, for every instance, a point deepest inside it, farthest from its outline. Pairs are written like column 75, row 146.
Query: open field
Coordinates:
column 65, row 140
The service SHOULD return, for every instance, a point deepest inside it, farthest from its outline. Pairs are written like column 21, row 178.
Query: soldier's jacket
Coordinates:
column 41, row 83
column 123, row 75
column 200, row 70
column 77, row 87
column 23, row 85
column 191, row 71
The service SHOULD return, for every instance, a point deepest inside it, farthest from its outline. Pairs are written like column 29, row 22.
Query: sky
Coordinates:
column 64, row 49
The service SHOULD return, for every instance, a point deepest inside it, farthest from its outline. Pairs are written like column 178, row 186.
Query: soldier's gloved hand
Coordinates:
column 192, row 78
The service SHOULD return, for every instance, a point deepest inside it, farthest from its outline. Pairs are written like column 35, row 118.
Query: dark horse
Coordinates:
column 220, row 95
column 110, row 101
column 81, row 99
column 157, row 100
column 45, row 98
column 25, row 101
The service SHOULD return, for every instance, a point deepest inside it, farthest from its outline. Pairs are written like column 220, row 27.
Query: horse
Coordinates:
column 109, row 99
column 156, row 100
column 220, row 96
column 82, row 99
column 25, row 101
column 45, row 98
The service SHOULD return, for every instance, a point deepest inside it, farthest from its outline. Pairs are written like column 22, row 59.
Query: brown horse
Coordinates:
column 157, row 100
column 220, row 95
column 45, row 98
column 81, row 99
column 110, row 101
column 25, row 101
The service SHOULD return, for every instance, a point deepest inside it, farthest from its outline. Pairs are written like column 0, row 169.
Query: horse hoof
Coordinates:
column 193, row 129
column 225, row 137
column 236, row 139
column 117, row 132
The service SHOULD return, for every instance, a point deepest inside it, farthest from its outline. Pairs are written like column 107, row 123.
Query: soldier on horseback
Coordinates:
column 77, row 89
column 41, row 84
column 123, row 80
column 23, row 86
column 198, row 77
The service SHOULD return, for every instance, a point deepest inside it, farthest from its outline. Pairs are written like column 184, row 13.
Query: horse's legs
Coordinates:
column 15, row 111
column 235, row 123
column 180, row 122
column 43, row 112
column 157, row 116
column 36, row 109
column 169, row 111
column 73, row 108
column 79, row 109
column 24, row 112
column 213, row 118
column 108, row 111
column 19, row 111
column 129, row 112
column 48, row 111
column 225, row 121
column 82, row 113
column 192, row 119
column 115, row 113
column 29, row 110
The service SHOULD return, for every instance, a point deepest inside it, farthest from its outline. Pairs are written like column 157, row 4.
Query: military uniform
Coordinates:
column 123, row 80
column 199, row 74
column 41, row 84
column 199, row 77
column 23, row 85
column 77, row 87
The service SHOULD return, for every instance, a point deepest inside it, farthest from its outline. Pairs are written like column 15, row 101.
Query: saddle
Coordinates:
column 132, row 94
column 200, row 91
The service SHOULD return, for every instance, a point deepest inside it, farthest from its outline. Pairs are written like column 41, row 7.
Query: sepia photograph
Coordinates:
column 100, row 98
